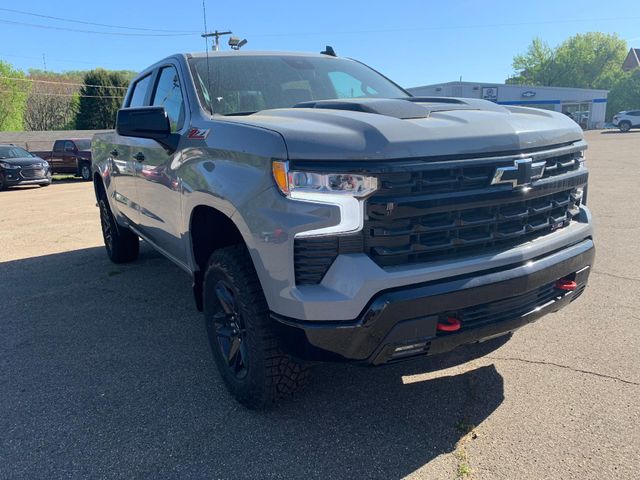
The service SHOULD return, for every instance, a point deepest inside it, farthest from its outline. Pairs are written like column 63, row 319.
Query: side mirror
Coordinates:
column 147, row 122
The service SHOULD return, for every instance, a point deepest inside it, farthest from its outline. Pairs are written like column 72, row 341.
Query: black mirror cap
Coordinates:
column 147, row 122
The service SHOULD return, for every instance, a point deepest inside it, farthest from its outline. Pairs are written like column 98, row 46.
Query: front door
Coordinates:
column 157, row 182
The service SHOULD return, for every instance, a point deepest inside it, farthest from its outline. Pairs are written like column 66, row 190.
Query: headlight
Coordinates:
column 290, row 181
column 344, row 190
column 8, row 166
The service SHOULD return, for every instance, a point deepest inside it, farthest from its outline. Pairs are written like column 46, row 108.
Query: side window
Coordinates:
column 169, row 96
column 347, row 86
column 69, row 147
column 140, row 92
column 635, row 114
column 58, row 146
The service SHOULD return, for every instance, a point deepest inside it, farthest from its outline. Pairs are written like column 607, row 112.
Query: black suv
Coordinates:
column 19, row 167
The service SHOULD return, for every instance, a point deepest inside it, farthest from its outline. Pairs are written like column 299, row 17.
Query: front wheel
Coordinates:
column 624, row 126
column 85, row 172
column 122, row 244
column 245, row 348
column 3, row 182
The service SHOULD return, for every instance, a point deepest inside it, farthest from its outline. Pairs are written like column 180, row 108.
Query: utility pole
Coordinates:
column 44, row 62
column 216, row 34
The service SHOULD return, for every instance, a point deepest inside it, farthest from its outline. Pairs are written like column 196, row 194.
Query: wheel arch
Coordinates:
column 210, row 229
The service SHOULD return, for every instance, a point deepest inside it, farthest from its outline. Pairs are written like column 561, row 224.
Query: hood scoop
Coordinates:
column 402, row 108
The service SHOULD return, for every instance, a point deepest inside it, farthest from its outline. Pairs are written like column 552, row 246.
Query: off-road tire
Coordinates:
column 84, row 171
column 624, row 126
column 122, row 244
column 3, row 182
column 270, row 374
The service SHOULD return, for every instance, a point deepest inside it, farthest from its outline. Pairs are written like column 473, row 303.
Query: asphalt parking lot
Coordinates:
column 105, row 370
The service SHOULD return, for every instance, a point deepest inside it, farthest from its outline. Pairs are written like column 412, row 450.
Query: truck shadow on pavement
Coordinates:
column 105, row 371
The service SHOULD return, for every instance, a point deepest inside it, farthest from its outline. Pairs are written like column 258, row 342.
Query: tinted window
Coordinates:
column 69, row 147
column 13, row 152
column 169, row 96
column 140, row 92
column 635, row 113
column 247, row 83
column 58, row 146
column 83, row 144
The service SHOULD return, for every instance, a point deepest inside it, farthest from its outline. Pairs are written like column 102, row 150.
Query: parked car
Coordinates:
column 19, row 167
column 627, row 120
column 70, row 155
column 325, row 214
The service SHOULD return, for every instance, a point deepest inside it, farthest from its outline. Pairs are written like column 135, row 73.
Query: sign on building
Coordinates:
column 490, row 93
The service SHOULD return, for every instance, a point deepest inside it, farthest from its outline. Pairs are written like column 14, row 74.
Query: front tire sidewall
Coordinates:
column 243, row 388
column 85, row 172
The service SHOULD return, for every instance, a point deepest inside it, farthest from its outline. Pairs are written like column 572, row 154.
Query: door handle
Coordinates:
column 139, row 156
column 114, row 153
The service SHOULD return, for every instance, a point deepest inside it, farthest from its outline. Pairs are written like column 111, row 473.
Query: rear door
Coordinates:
column 157, row 182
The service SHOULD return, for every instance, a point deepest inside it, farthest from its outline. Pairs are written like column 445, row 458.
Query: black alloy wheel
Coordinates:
column 230, row 330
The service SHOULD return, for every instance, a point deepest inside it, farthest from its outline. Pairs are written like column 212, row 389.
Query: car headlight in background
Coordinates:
column 344, row 190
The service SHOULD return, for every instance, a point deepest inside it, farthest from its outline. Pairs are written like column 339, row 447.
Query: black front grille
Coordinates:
column 412, row 232
column 509, row 308
column 436, row 178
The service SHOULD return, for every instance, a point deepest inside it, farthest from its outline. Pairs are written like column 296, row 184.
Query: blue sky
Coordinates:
column 413, row 42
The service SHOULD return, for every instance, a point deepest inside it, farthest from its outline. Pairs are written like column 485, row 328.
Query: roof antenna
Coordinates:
column 328, row 50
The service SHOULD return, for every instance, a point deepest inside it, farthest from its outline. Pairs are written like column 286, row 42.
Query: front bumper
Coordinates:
column 402, row 322
column 16, row 177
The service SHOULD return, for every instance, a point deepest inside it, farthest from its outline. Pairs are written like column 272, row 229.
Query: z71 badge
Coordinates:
column 198, row 133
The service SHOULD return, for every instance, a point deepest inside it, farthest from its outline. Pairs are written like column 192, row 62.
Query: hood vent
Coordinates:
column 402, row 108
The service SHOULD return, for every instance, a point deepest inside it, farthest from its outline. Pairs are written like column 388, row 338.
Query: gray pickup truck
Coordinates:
column 325, row 214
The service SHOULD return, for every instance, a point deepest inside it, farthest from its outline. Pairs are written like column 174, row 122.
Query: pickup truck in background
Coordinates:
column 69, row 155
column 325, row 214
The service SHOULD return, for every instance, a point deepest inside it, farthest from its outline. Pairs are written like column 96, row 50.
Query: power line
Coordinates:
column 440, row 27
column 63, row 60
column 22, row 12
column 77, row 30
column 67, row 94
column 61, row 83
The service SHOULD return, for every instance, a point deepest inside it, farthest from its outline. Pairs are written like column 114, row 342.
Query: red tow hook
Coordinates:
column 566, row 285
column 452, row 325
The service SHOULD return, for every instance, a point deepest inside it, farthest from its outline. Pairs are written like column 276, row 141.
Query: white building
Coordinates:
column 585, row 106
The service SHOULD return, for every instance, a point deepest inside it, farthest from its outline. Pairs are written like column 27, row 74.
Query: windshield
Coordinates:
column 246, row 84
column 9, row 151
column 83, row 144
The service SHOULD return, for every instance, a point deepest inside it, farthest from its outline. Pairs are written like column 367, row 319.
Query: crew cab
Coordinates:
column 325, row 214
column 70, row 155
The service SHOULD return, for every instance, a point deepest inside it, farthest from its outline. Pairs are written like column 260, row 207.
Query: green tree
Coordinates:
column 13, row 98
column 589, row 60
column 100, row 98
column 625, row 93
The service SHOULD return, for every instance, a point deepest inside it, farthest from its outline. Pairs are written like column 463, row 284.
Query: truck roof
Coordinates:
column 252, row 53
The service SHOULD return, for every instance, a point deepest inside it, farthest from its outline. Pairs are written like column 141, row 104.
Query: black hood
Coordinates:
column 23, row 161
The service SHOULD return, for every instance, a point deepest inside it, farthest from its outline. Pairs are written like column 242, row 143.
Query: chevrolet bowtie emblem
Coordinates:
column 522, row 173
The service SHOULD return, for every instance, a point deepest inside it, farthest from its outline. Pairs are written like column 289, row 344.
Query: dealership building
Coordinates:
column 587, row 107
